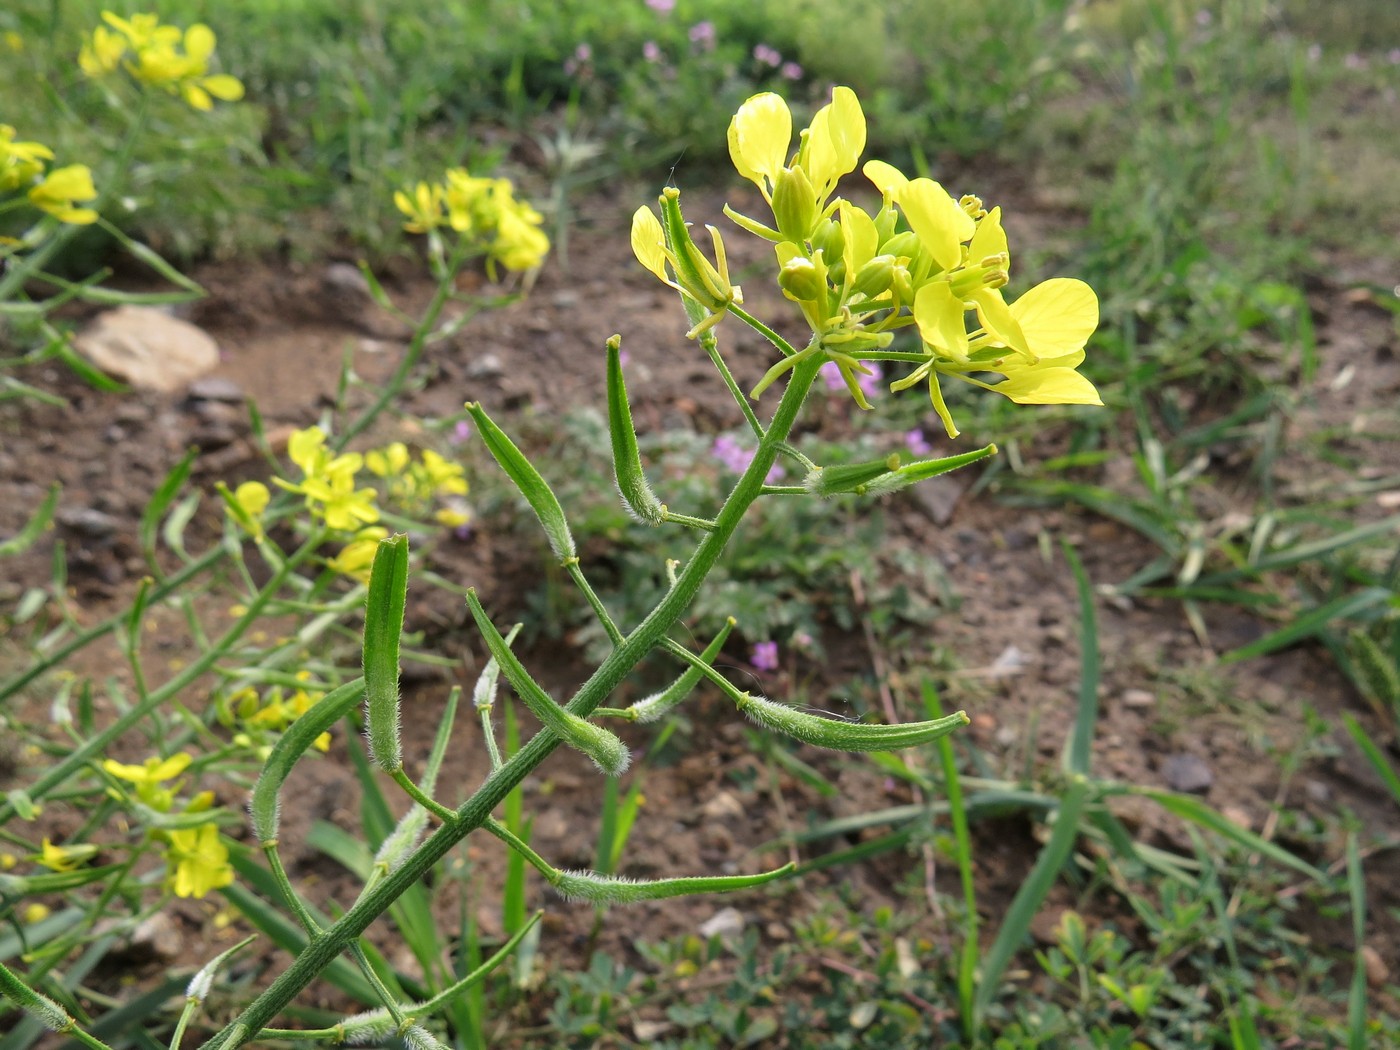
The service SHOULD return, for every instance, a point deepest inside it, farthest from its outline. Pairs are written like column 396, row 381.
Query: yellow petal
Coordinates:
column 1049, row 386
column 1057, row 316
column 224, row 87
column 72, row 183
column 990, row 239
column 199, row 42
column 648, row 242
column 197, row 97
column 862, row 239
column 836, row 140
column 939, row 314
column 936, row 220
column 998, row 319
column 888, row 179
column 758, row 138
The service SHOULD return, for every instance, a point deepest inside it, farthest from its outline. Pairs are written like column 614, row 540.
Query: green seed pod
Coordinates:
column 527, row 479
column 264, row 806
column 827, row 482
column 794, row 205
column 1377, row 671
column 384, row 609
column 659, row 704
column 594, row 888
column 41, row 1007
column 627, row 460
column 372, row 1026
column 926, row 468
column 845, row 736
column 608, row 752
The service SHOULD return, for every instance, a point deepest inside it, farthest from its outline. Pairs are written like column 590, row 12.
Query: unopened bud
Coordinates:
column 802, row 280
column 794, row 205
column 902, row 284
column 829, row 239
column 875, row 276
column 886, row 219
column 902, row 245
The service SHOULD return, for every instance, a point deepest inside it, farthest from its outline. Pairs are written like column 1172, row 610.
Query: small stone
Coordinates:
column 1238, row 816
column 148, row 348
column 1317, row 791
column 89, row 521
column 157, row 937
column 216, row 388
column 1187, row 773
column 1138, row 699
column 1377, row 972
column 485, row 366
column 938, row 497
column 650, row 1031
column 726, row 924
column 722, row 806
column 1006, row 736
column 346, row 278
column 776, row 931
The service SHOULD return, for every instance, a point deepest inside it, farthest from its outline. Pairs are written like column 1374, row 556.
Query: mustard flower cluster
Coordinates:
column 481, row 209
column 162, row 56
column 923, row 259
column 260, row 719
column 58, row 191
column 196, row 859
column 428, row 484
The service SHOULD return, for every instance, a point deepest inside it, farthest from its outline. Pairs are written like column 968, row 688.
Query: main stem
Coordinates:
column 329, row 943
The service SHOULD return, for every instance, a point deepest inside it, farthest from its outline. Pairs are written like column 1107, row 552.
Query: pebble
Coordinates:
column 1187, row 773
column 1138, row 699
column 157, row 936
column 148, row 348
column 1377, row 972
column 726, row 924
column 1317, row 791
column 485, row 366
column 722, row 806
column 89, row 521
column 216, row 388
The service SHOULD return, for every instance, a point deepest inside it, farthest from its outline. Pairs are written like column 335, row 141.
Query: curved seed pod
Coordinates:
column 627, row 461
column 595, row 888
column 264, row 804
column 606, row 750
column 827, row 482
column 658, row 704
column 40, row 1007
column 527, row 479
column 845, row 736
column 924, row 469
column 388, row 592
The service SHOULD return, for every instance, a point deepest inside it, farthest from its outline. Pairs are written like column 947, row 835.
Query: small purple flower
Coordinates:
column 831, row 375
column 870, row 384
column 652, row 53
column 702, row 35
column 916, row 443
column 764, row 656
column 790, row 71
column 463, row 531
column 461, row 432
column 623, row 357
column 769, row 57
column 662, row 7
column 1355, row 61
column 802, row 640
column 580, row 58
column 1204, row 18
column 735, row 458
column 1393, row 56
column 1314, row 52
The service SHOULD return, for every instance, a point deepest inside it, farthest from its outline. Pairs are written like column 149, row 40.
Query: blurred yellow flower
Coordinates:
column 61, row 191
column 162, row 56
column 63, row 858
column 197, row 861
column 20, row 162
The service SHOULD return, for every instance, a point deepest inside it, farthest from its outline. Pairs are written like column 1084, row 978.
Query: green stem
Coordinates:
column 763, row 330
column 97, row 744
column 711, row 345
column 704, row 524
column 416, row 793
column 475, row 811
column 571, row 566
column 515, row 842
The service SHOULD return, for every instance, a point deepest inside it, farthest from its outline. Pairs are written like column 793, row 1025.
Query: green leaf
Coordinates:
column 1311, row 623
column 159, row 503
column 1202, row 815
column 37, row 523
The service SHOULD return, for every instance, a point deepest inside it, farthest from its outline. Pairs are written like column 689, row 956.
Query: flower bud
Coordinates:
column 875, row 277
column 829, row 239
column 794, row 205
column 802, row 280
column 902, row 245
column 851, row 477
column 886, row 219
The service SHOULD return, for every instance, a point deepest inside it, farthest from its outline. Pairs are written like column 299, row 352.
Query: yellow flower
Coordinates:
column 36, row 913
column 453, row 517
column 252, row 499
column 102, row 53
column 388, row 461
column 20, row 162
column 443, row 478
column 63, row 858
column 423, row 207
column 520, row 243
column 197, row 861
column 150, row 777
column 356, row 558
column 341, row 505
column 60, row 191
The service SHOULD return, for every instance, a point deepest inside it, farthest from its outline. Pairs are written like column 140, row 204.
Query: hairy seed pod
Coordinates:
column 527, row 479
column 384, row 610
column 632, row 482
column 595, row 888
column 658, row 704
column 846, row 736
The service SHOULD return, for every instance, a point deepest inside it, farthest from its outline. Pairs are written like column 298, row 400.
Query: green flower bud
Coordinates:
column 902, row 284
column 902, row 245
column 794, row 205
column 829, row 239
column 886, row 219
column 827, row 482
column 803, row 280
column 875, row 277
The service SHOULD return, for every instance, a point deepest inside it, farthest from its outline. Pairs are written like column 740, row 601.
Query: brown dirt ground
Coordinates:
column 284, row 330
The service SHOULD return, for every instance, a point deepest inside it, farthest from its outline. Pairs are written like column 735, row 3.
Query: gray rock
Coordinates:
column 216, row 388
column 89, row 522
column 485, row 366
column 1187, row 773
